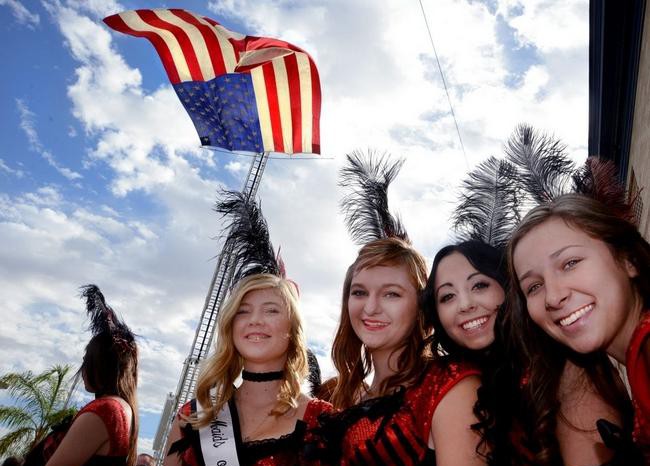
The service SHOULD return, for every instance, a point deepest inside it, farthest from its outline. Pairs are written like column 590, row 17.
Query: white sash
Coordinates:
column 218, row 443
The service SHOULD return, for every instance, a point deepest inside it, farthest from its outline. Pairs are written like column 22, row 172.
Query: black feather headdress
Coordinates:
column 489, row 203
column 544, row 168
column 598, row 179
column 314, row 377
column 103, row 319
column 365, row 207
column 536, row 170
column 247, row 240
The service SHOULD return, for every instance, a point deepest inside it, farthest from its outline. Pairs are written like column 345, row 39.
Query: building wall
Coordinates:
column 638, row 176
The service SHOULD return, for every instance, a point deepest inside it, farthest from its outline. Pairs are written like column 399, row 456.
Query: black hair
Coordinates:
column 485, row 258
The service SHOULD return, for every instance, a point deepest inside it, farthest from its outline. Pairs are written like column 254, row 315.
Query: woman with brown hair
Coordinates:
column 105, row 431
column 465, row 300
column 580, row 287
column 264, row 420
column 417, row 408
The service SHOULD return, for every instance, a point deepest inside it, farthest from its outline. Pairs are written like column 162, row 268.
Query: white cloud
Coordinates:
column 97, row 8
column 236, row 167
column 381, row 89
column 533, row 19
column 22, row 14
column 27, row 124
column 12, row 171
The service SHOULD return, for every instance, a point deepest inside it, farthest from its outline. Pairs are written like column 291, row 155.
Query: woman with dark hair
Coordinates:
column 105, row 431
column 417, row 409
column 580, row 285
column 481, row 266
column 464, row 298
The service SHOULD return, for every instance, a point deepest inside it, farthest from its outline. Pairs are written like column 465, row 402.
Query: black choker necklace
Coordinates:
column 261, row 376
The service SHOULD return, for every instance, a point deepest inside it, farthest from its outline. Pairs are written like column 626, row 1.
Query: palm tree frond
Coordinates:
column 38, row 406
column 14, row 416
column 16, row 442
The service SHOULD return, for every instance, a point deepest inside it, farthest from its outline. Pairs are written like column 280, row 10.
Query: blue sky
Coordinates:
column 102, row 178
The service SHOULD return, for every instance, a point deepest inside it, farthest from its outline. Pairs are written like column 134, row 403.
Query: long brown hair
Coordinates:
column 110, row 368
column 546, row 356
column 222, row 368
column 352, row 360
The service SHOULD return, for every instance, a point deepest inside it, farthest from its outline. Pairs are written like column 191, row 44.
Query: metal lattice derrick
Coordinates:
column 205, row 331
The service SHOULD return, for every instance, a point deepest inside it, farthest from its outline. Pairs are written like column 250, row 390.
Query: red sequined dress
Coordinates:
column 393, row 429
column 112, row 414
column 287, row 450
column 638, row 373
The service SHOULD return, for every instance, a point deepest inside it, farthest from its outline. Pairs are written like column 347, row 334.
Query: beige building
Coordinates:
column 619, row 94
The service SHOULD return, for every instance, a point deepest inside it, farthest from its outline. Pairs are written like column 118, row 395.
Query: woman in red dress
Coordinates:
column 266, row 420
column 105, row 431
column 465, row 298
column 580, row 275
column 417, row 409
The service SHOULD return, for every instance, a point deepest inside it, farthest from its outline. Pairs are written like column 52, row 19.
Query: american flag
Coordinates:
column 242, row 92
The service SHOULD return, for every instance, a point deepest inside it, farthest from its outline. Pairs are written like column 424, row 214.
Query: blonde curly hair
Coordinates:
column 221, row 368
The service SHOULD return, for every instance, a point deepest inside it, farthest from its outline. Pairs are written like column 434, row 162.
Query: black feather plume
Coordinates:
column 366, row 205
column 598, row 179
column 314, row 376
column 545, row 170
column 248, row 238
column 489, row 203
column 102, row 317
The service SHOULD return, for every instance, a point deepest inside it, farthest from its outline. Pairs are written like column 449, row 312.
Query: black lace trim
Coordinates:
column 333, row 426
column 258, row 449
column 249, row 452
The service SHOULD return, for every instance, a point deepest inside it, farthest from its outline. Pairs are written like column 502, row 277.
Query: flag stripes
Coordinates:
column 196, row 48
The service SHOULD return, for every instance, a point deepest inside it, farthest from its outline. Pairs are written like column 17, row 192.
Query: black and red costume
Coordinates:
column 286, row 450
column 112, row 414
column 638, row 373
column 392, row 429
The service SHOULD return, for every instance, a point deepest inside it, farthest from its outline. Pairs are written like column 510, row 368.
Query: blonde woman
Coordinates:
column 266, row 419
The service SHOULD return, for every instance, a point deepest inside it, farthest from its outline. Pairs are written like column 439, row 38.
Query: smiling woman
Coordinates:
column 424, row 403
column 267, row 419
column 581, row 276
column 418, row 407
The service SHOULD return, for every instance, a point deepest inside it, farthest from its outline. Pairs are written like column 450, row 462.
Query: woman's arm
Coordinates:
column 451, row 434
column 175, row 434
column 580, row 407
column 86, row 436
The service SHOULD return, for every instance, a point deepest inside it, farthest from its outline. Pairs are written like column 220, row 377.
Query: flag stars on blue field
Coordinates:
column 224, row 115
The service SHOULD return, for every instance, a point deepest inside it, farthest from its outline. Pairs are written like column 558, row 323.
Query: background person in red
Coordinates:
column 104, row 431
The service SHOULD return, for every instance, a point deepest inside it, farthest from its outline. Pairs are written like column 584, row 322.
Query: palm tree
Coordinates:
column 39, row 405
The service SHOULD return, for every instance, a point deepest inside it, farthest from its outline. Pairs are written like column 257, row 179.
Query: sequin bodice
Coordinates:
column 285, row 450
column 393, row 429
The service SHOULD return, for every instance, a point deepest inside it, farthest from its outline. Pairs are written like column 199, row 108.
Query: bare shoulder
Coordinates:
column 580, row 403
column 452, row 436
column 581, row 406
column 461, row 395
column 86, row 436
